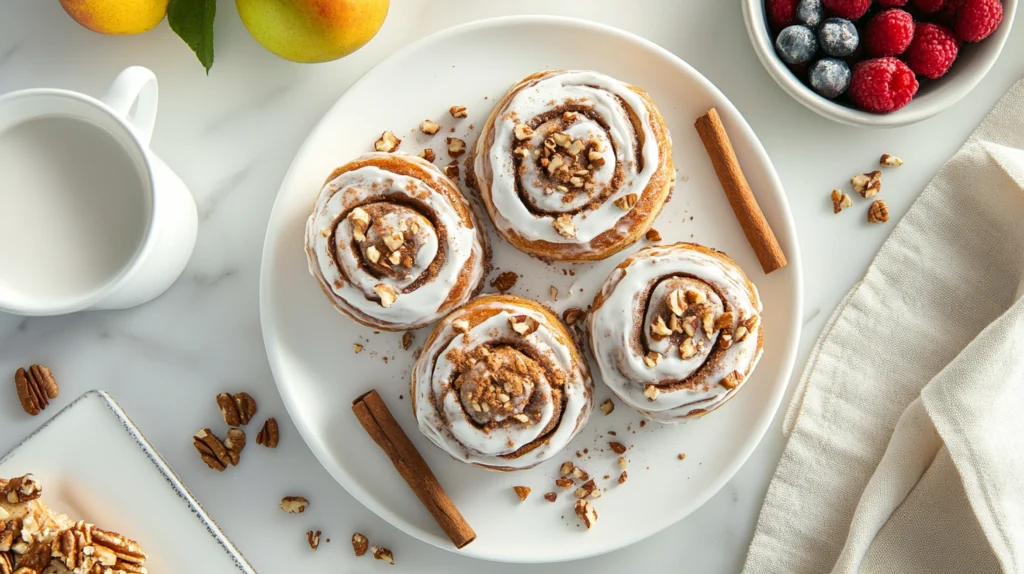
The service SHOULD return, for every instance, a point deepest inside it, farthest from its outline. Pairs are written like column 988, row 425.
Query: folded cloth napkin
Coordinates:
column 906, row 433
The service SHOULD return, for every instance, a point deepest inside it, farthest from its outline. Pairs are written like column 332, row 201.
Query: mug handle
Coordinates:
column 135, row 87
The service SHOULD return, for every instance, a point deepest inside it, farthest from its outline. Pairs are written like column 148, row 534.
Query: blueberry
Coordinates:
column 796, row 44
column 809, row 13
column 829, row 77
column 838, row 37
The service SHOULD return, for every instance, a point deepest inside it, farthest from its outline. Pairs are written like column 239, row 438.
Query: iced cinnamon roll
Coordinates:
column 676, row 331
column 500, row 384
column 574, row 165
column 393, row 243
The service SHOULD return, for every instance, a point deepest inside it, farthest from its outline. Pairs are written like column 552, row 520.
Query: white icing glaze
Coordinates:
column 601, row 93
column 337, row 265
column 611, row 334
column 437, row 402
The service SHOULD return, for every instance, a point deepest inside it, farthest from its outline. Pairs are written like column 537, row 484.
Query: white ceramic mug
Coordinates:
column 168, row 221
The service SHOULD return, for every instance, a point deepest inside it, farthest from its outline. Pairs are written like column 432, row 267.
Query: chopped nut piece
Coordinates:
column 394, row 240
column 580, row 474
column 237, row 409
column 867, row 185
column 269, row 435
column 607, row 407
column 523, row 132
column 505, row 281
column 840, row 201
column 725, row 340
column 878, row 212
column 458, row 111
column 566, row 468
column 234, row 443
column 653, row 235
column 395, row 258
column 682, row 456
column 675, row 324
column 387, row 295
column 622, row 462
column 565, row 226
column 550, row 497
column 360, row 223
column 428, row 154
column 24, row 488
column 565, row 482
column 687, row 350
column 708, row 322
column 724, row 321
column 381, row 553
column 651, row 392
column 407, row 339
column 569, row 116
column 387, row 142
column 561, row 139
column 294, row 504
column 521, row 418
column 35, row 387
column 677, row 302
column 626, row 202
column 460, row 325
column 690, row 325
column 313, row 537
column 554, row 163
column 456, row 147
column 617, row 447
column 695, row 297
column 429, row 127
column 659, row 328
column 622, row 477
column 752, row 322
column 573, row 315
column 740, row 334
column 373, row 253
column 585, row 511
column 360, row 544
column 651, row 359
column 890, row 160
column 357, row 347
column 554, row 292
column 523, row 324
column 586, row 490
column 522, row 492
column 452, row 171
column 732, row 380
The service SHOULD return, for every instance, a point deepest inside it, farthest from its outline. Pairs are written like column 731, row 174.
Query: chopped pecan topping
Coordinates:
column 867, row 185
column 387, row 142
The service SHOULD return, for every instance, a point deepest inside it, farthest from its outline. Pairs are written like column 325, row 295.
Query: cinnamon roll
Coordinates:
column 393, row 243
column 574, row 165
column 500, row 384
column 676, row 330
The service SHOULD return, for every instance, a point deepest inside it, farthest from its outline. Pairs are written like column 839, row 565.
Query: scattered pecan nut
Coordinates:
column 653, row 235
column 522, row 492
column 313, row 537
column 550, row 496
column 360, row 544
column 269, row 434
column 452, row 171
column 237, row 409
column 387, row 142
column 585, row 511
column 623, row 477
column 22, row 489
column 407, row 339
column 573, row 315
column 36, row 387
column 381, row 553
column 234, row 443
column 458, row 111
column 456, row 147
column 617, row 447
column 890, row 160
column 607, row 407
column 878, row 212
column 429, row 127
column 294, row 504
column 85, row 548
column 428, row 154
column 505, row 281
column 867, row 185
column 840, row 201
column 211, row 450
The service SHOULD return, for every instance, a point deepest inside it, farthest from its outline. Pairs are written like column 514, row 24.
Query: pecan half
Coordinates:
column 36, row 387
column 211, row 449
column 269, row 434
column 237, row 409
column 360, row 544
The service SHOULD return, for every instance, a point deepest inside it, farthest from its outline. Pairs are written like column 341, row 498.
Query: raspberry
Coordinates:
column 977, row 19
column 891, row 3
column 849, row 9
column 882, row 85
column 947, row 16
column 929, row 6
column 933, row 50
column 781, row 13
column 889, row 33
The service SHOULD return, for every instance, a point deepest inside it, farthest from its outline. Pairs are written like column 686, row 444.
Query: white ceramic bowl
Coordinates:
column 974, row 62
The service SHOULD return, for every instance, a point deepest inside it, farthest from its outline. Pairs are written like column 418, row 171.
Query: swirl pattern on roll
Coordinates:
column 500, row 384
column 393, row 243
column 574, row 165
column 676, row 331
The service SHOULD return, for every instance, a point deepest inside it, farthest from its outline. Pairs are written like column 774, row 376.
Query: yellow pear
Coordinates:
column 312, row 30
column 118, row 17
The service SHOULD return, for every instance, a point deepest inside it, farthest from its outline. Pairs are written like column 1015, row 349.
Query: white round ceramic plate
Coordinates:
column 318, row 372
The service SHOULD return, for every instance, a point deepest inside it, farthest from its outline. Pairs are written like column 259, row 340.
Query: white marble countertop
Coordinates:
column 232, row 135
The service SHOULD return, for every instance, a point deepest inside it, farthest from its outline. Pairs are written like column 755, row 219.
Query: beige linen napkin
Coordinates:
column 906, row 433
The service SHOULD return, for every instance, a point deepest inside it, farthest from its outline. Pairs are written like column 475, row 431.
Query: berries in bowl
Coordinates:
column 878, row 62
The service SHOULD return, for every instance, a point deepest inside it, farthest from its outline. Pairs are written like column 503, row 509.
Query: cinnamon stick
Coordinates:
column 741, row 198
column 375, row 417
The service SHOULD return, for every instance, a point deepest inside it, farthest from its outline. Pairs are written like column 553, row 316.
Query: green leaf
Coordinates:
column 192, row 20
